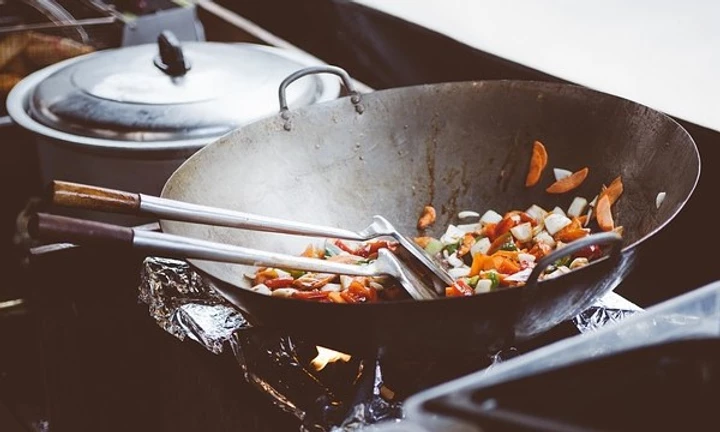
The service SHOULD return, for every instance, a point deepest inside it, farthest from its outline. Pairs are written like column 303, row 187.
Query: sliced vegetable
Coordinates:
column 427, row 218
column 433, row 247
column 604, row 214
column 545, row 238
column 468, row 214
column 538, row 162
column 480, row 246
column 467, row 242
column 490, row 216
column 536, row 212
column 568, row 183
column 493, row 277
column 483, row 286
column 577, row 207
column 555, row 222
column 499, row 242
column 561, row 173
column 523, row 232
column 659, row 199
column 614, row 191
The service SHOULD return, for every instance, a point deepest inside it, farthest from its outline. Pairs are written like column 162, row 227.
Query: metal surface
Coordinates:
column 456, row 146
column 119, row 94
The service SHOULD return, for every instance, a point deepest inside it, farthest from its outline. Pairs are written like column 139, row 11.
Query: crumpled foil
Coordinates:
column 608, row 309
column 184, row 304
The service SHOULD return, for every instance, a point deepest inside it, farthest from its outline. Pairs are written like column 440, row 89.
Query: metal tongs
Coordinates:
column 420, row 275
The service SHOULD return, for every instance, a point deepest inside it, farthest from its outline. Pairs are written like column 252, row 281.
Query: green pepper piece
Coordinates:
column 451, row 248
column 562, row 262
column 509, row 245
column 494, row 278
column 473, row 281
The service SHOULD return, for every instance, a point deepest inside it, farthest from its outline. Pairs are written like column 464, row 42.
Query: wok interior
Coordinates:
column 456, row 146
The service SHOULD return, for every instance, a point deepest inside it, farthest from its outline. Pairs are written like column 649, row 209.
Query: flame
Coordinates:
column 326, row 356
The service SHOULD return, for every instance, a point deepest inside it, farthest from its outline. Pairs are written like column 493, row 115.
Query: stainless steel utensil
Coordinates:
column 95, row 198
column 64, row 228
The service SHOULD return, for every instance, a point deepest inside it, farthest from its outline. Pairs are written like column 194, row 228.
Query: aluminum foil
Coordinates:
column 609, row 309
column 345, row 396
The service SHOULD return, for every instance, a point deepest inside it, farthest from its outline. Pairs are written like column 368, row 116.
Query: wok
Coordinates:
column 456, row 146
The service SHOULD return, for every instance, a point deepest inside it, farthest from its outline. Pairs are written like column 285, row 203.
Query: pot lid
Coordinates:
column 169, row 91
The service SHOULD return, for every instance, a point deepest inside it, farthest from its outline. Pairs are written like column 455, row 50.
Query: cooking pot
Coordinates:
column 128, row 117
column 456, row 146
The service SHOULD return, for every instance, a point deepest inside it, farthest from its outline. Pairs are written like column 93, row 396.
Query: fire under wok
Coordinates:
column 456, row 146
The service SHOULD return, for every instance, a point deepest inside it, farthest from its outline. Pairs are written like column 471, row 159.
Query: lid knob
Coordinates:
column 171, row 59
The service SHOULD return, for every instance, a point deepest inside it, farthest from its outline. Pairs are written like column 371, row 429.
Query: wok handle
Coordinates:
column 600, row 239
column 354, row 95
column 61, row 228
column 76, row 195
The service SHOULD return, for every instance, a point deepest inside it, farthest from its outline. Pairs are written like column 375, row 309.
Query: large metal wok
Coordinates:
column 457, row 146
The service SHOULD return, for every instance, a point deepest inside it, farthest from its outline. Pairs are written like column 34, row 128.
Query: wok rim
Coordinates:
column 469, row 83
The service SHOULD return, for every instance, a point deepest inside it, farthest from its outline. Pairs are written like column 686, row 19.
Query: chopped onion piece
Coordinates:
column 282, row 273
column 536, row 212
column 345, row 281
column 522, row 232
column 555, row 222
column 332, row 287
column 526, row 259
column 483, row 286
column 490, row 216
column 561, row 173
column 261, row 289
column 454, row 261
column 376, row 285
column 594, row 201
column 452, row 235
column 589, row 216
column 284, row 292
column 459, row 272
column 577, row 207
column 480, row 246
column 559, row 272
column 468, row 214
column 468, row 228
column 579, row 262
column 520, row 276
column 659, row 199
column 545, row 238
column 558, row 211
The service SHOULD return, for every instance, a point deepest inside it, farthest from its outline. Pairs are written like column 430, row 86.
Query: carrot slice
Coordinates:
column 538, row 162
column 614, row 191
column 427, row 218
column 604, row 215
column 568, row 183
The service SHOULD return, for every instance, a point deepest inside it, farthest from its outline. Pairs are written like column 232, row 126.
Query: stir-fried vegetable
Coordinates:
column 498, row 251
column 538, row 162
column 568, row 183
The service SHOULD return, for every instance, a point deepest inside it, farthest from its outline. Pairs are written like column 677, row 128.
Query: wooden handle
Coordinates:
column 93, row 198
column 64, row 229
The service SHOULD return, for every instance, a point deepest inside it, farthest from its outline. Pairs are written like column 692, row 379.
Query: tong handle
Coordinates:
column 76, row 195
column 110, row 200
column 65, row 229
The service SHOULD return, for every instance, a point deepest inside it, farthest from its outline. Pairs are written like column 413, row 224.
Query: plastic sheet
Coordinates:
column 345, row 395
